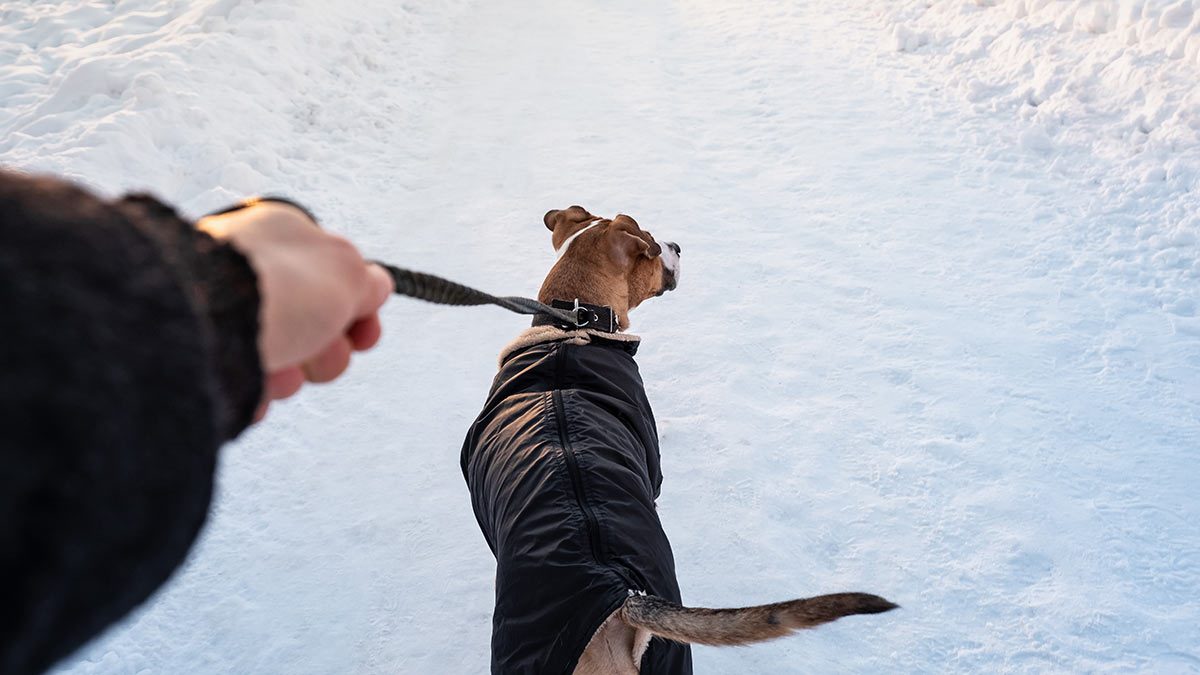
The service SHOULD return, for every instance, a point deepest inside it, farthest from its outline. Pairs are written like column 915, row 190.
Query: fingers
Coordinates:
column 329, row 363
column 324, row 367
column 283, row 383
column 279, row 385
column 364, row 333
column 379, row 287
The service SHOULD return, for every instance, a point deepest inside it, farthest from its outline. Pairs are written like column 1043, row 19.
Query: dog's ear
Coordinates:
column 630, row 241
column 556, row 218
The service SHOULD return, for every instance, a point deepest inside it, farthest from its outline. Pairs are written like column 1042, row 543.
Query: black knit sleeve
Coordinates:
column 223, row 291
column 127, row 356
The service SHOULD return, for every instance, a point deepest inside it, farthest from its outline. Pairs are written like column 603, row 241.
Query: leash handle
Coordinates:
column 435, row 289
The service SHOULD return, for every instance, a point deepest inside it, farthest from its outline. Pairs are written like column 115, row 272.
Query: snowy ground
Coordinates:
column 936, row 338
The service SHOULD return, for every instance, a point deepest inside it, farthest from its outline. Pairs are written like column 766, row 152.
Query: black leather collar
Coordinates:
column 592, row 317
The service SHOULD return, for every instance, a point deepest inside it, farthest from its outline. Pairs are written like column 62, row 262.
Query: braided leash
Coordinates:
column 445, row 292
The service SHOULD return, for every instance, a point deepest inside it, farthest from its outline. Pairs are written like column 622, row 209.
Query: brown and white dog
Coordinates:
column 614, row 263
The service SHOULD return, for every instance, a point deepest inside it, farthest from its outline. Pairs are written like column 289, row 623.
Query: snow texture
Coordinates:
column 937, row 336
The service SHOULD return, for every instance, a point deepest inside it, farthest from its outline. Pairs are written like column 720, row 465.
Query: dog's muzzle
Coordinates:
column 670, row 261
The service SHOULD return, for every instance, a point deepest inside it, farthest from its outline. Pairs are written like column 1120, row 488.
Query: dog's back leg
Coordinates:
column 615, row 649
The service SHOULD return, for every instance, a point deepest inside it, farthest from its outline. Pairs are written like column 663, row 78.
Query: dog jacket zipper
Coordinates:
column 589, row 517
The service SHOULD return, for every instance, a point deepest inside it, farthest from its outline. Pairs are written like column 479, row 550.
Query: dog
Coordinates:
column 563, row 469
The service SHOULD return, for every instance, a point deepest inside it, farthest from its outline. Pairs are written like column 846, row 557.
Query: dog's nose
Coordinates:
column 674, row 247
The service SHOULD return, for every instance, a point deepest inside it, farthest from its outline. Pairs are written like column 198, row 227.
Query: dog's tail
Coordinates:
column 744, row 625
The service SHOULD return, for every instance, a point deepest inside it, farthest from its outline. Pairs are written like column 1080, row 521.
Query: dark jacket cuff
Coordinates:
column 224, row 290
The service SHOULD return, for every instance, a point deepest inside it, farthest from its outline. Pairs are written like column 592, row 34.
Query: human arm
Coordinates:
column 129, row 351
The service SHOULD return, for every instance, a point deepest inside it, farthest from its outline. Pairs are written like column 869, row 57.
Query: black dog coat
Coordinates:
column 563, row 468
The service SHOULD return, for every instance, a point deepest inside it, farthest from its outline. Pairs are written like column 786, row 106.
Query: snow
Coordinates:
column 937, row 337
column 1114, row 79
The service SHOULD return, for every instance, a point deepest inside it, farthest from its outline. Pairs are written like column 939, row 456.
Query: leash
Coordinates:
column 445, row 292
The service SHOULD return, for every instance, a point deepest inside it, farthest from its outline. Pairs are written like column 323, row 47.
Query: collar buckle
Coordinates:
column 593, row 317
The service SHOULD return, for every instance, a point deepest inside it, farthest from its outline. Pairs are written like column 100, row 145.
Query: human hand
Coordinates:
column 319, row 298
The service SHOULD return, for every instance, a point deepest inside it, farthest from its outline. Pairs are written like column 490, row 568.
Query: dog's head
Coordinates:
column 607, row 249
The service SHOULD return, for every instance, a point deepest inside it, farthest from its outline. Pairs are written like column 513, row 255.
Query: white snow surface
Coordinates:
column 937, row 336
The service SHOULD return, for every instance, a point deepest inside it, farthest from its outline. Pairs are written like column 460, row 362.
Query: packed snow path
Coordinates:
column 915, row 350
